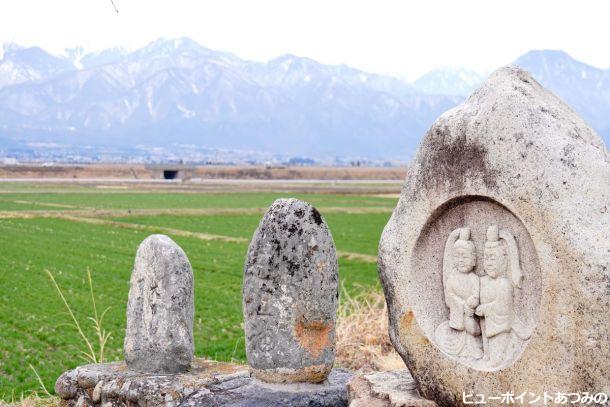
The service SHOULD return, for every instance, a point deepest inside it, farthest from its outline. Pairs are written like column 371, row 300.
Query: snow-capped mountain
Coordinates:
column 107, row 56
column 449, row 81
column 177, row 92
column 585, row 88
column 29, row 65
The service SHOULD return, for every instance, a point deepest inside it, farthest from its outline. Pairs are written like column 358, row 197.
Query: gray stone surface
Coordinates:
column 385, row 389
column 159, row 335
column 520, row 301
column 207, row 383
column 290, row 294
column 240, row 390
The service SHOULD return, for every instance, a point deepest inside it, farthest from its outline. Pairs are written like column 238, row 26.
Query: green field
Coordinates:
column 69, row 230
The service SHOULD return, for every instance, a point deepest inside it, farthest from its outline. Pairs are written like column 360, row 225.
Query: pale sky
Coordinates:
column 404, row 38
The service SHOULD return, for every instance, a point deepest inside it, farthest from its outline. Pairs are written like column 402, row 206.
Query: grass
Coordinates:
column 15, row 205
column 90, row 355
column 351, row 232
column 363, row 340
column 159, row 200
column 36, row 327
column 33, row 399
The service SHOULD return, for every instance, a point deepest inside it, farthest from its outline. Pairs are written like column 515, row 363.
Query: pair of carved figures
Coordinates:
column 482, row 321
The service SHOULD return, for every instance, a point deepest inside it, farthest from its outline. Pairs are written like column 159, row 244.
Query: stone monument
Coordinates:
column 290, row 295
column 495, row 262
column 160, row 309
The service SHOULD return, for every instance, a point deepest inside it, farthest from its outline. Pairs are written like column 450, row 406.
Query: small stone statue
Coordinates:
column 459, row 335
column 290, row 295
column 503, row 276
column 160, row 309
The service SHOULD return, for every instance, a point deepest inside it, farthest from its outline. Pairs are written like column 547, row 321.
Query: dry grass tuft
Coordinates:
column 363, row 341
column 89, row 355
column 33, row 400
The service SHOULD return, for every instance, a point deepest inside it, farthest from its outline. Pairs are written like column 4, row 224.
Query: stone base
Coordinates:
column 240, row 390
column 207, row 383
column 312, row 374
column 385, row 389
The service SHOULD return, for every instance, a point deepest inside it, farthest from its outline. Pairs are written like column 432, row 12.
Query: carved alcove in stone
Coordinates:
column 475, row 283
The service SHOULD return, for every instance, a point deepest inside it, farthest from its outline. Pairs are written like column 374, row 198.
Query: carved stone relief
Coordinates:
column 487, row 293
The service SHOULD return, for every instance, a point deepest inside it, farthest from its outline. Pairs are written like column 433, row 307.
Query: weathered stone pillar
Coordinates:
column 159, row 336
column 290, row 295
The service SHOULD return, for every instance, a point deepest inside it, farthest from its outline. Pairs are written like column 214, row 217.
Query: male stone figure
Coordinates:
column 497, row 295
column 159, row 336
column 461, row 289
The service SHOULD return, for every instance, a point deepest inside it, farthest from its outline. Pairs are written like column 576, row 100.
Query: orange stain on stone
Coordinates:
column 406, row 325
column 313, row 336
column 407, row 319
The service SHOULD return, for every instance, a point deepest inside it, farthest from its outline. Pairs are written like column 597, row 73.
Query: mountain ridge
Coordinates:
column 178, row 92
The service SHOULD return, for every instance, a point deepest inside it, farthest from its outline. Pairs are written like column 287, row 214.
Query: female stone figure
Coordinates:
column 503, row 276
column 458, row 336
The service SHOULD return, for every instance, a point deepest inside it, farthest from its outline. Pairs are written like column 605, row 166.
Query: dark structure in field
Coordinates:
column 171, row 171
column 170, row 174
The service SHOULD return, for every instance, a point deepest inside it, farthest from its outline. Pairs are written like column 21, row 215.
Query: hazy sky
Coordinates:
column 404, row 38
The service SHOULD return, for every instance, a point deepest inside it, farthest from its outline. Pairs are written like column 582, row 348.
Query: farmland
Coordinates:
column 70, row 229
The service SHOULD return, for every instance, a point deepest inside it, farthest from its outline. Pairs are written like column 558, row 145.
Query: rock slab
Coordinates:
column 241, row 390
column 290, row 294
column 160, row 309
column 495, row 262
column 385, row 389
column 207, row 383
